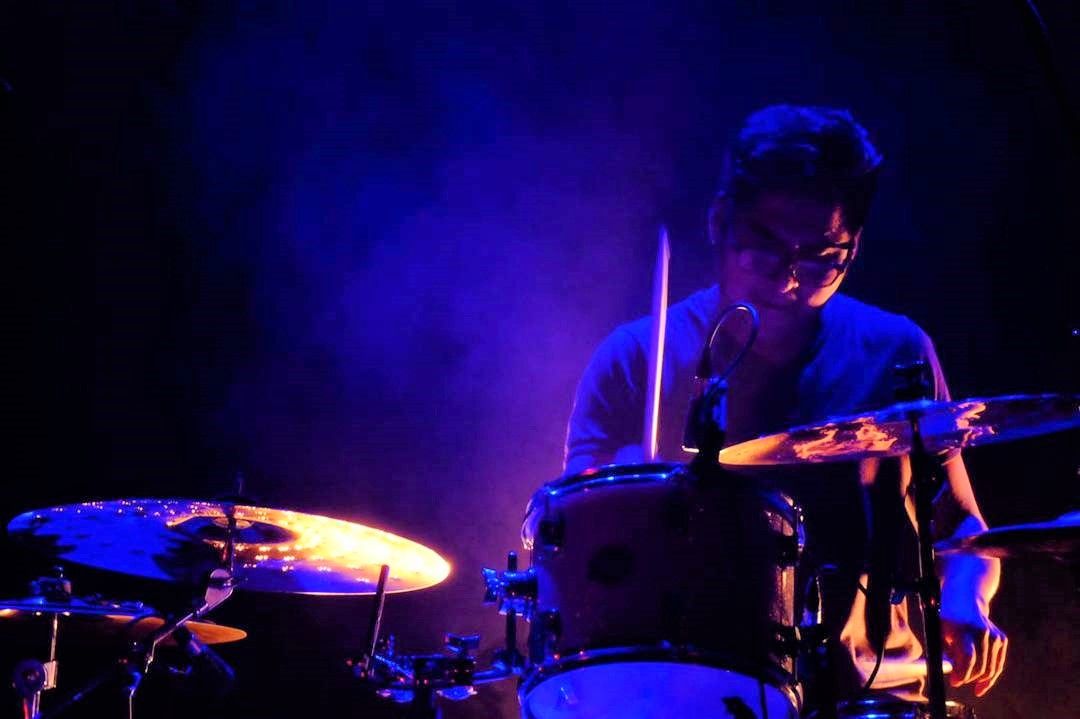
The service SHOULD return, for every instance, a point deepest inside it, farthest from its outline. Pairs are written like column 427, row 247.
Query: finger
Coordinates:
column 1001, row 648
column 963, row 653
column 970, row 656
column 982, row 659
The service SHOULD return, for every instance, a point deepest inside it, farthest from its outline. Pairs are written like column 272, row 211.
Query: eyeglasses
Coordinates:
column 818, row 266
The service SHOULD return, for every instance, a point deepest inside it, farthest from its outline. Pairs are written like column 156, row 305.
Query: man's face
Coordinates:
column 784, row 252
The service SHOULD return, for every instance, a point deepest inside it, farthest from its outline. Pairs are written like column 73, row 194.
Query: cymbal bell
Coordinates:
column 1058, row 538
column 99, row 619
column 275, row 550
column 943, row 426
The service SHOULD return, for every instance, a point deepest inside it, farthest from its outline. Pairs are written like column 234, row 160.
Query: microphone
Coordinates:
column 706, row 421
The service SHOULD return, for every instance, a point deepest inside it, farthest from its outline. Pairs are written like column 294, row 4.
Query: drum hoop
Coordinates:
column 918, row 710
column 607, row 476
column 772, row 676
column 611, row 475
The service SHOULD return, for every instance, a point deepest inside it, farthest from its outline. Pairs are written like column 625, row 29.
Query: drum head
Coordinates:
column 654, row 690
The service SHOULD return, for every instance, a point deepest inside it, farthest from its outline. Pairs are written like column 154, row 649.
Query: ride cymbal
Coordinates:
column 275, row 550
column 944, row 426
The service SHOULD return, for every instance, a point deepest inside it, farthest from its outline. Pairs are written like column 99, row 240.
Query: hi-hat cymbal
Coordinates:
column 944, row 426
column 1058, row 538
column 99, row 619
column 276, row 550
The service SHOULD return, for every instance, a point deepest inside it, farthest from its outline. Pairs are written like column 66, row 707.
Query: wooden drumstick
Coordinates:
column 656, row 347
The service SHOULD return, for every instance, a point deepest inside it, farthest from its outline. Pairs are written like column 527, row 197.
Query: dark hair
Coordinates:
column 818, row 152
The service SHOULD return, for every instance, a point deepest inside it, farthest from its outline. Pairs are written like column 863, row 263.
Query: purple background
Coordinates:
column 361, row 252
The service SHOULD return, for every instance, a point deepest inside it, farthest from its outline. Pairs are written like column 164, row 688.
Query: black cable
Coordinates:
column 877, row 667
column 704, row 368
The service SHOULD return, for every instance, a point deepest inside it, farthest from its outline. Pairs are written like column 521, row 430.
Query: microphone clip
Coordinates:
column 706, row 425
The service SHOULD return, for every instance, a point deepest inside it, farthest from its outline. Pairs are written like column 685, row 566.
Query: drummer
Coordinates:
column 786, row 225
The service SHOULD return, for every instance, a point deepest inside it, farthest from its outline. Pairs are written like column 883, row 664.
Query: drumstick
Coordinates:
column 656, row 347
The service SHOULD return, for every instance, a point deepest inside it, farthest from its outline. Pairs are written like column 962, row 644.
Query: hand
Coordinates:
column 975, row 646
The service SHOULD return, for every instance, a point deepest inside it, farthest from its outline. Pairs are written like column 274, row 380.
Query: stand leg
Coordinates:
column 923, row 471
column 424, row 705
column 29, row 679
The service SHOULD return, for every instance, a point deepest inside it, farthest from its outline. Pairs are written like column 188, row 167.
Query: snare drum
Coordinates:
column 659, row 594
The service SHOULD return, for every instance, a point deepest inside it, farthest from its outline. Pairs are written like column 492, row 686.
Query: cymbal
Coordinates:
column 944, row 426
column 100, row 618
column 1058, row 538
column 276, row 550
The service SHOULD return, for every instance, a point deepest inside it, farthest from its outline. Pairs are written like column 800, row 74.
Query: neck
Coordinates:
column 784, row 338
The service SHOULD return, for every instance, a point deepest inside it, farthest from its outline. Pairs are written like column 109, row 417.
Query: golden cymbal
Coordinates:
column 943, row 426
column 99, row 619
column 1058, row 538
column 276, row 550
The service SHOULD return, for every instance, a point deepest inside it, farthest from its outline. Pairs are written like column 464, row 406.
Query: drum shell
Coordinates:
column 652, row 556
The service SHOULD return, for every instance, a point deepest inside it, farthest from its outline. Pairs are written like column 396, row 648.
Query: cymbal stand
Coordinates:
column 925, row 483
column 32, row 677
column 137, row 661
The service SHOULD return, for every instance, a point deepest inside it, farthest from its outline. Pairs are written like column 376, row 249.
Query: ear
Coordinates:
column 719, row 217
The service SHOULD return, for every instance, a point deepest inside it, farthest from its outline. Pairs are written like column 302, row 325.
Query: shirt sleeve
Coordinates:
column 939, row 390
column 609, row 405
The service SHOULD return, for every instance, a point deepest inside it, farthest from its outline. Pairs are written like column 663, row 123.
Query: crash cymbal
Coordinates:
column 944, row 426
column 101, row 619
column 206, row 632
column 1058, row 538
column 276, row 550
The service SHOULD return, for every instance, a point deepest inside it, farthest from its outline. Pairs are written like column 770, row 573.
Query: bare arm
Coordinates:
column 976, row 646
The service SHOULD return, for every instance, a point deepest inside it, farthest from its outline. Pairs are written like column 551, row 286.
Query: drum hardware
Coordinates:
column 515, row 593
column 419, row 679
column 551, row 534
column 229, row 544
column 925, row 431
column 51, row 598
column 32, row 677
column 512, row 590
column 133, row 665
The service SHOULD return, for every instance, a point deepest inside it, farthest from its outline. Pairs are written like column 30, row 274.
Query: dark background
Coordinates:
column 361, row 252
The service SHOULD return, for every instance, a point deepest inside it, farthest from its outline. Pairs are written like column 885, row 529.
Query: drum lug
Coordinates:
column 551, row 534
column 790, row 547
column 511, row 590
column 544, row 636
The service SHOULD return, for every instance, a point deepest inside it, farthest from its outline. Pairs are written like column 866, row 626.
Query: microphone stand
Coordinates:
column 914, row 385
column 924, row 478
